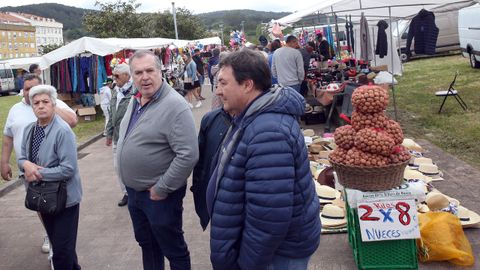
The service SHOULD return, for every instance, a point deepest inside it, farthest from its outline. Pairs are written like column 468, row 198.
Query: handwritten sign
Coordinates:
column 388, row 220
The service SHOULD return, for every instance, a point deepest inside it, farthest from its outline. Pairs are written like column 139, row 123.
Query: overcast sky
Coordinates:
column 196, row 6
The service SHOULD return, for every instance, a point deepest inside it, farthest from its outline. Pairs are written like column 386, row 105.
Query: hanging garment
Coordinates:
column 352, row 34
column 382, row 43
column 365, row 43
column 73, row 73
column 101, row 74
column 347, row 33
column 84, row 74
column 423, row 29
column 108, row 60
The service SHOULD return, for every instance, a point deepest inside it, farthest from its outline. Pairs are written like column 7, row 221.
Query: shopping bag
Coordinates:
column 443, row 239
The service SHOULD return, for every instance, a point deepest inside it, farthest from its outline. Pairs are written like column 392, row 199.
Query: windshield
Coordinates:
column 401, row 25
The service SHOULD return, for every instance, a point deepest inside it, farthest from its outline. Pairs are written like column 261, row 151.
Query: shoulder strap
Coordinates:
column 31, row 144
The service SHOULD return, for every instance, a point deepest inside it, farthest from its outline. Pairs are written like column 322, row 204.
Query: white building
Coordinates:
column 48, row 31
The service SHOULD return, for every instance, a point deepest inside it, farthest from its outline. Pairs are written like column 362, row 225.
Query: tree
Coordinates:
column 117, row 19
column 120, row 20
column 161, row 25
column 49, row 47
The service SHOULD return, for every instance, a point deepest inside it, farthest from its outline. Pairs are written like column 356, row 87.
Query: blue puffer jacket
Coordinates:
column 265, row 202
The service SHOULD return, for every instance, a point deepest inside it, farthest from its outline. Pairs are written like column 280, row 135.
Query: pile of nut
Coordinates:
column 372, row 140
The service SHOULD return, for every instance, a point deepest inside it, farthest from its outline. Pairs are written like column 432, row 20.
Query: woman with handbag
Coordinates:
column 49, row 163
column 190, row 80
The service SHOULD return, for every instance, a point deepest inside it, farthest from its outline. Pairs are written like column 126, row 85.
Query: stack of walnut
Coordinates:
column 372, row 140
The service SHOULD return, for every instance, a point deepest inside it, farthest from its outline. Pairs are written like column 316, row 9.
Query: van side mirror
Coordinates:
column 404, row 35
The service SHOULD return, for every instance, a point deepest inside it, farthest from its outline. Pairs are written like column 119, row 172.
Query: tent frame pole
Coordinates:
column 393, row 72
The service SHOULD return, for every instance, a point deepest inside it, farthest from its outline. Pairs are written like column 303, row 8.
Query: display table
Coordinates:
column 381, row 243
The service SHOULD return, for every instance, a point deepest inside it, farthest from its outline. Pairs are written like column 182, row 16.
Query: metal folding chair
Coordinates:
column 451, row 92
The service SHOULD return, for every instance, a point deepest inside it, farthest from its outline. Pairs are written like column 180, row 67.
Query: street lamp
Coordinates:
column 221, row 31
column 175, row 19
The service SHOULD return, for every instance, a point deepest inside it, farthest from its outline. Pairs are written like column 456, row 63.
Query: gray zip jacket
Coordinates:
column 58, row 155
column 162, row 148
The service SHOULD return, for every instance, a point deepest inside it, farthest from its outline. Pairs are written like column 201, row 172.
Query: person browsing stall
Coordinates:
column 121, row 96
column 49, row 153
column 157, row 150
column 20, row 115
column 264, row 212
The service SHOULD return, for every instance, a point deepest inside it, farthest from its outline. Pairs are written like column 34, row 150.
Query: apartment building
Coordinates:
column 48, row 31
column 17, row 37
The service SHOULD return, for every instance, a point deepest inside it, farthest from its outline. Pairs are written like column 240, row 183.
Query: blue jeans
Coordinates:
column 62, row 232
column 284, row 263
column 158, row 229
column 296, row 87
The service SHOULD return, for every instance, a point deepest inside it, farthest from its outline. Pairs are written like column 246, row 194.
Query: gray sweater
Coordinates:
column 287, row 66
column 162, row 148
column 58, row 155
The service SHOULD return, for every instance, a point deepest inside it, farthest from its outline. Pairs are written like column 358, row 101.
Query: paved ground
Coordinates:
column 105, row 237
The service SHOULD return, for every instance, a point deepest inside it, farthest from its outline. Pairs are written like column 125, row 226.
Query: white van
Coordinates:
column 469, row 33
column 6, row 78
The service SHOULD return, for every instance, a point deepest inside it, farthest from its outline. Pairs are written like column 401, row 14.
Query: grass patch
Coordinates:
column 453, row 130
column 83, row 131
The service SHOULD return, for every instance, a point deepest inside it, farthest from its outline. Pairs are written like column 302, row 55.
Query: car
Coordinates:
column 7, row 80
column 469, row 34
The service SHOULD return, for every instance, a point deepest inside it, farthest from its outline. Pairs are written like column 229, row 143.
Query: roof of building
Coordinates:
column 33, row 17
column 7, row 18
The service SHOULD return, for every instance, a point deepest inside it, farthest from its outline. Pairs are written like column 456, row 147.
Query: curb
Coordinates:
column 11, row 185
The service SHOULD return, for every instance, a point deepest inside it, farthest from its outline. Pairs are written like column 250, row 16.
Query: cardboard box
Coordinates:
column 379, row 68
column 86, row 114
column 64, row 97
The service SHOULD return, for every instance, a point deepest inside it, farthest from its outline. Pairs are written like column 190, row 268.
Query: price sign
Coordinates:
column 388, row 220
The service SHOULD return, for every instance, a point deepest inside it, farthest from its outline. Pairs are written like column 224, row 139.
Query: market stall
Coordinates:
column 382, row 191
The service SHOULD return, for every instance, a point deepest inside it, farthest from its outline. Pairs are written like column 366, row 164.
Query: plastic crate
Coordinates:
column 391, row 254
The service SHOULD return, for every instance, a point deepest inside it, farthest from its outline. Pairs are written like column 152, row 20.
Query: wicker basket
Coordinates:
column 370, row 178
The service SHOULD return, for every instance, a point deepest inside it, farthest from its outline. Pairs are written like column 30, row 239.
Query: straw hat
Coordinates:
column 410, row 174
column 432, row 171
column 422, row 208
column 467, row 217
column 412, row 145
column 450, row 199
column 422, row 160
column 315, row 148
column 308, row 108
column 326, row 193
column 324, row 154
column 308, row 133
column 333, row 216
column 437, row 201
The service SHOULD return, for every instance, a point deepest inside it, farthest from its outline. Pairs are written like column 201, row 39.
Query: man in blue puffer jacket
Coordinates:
column 261, row 197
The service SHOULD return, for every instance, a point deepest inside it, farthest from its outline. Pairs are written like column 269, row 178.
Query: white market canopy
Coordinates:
column 22, row 63
column 373, row 9
column 106, row 46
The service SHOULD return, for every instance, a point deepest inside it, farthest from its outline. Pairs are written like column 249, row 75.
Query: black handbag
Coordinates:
column 46, row 197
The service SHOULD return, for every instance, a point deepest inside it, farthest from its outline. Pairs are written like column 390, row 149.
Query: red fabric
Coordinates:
column 108, row 69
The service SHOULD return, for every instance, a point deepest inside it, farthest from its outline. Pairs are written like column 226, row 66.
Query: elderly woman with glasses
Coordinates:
column 49, row 153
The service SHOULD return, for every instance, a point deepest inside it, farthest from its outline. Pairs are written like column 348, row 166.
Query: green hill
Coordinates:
column 71, row 17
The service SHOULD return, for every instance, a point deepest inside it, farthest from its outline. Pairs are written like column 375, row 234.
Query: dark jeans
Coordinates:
column 158, row 229
column 62, row 232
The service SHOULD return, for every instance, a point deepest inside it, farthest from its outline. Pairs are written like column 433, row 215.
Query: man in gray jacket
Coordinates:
column 118, row 106
column 157, row 150
column 287, row 64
